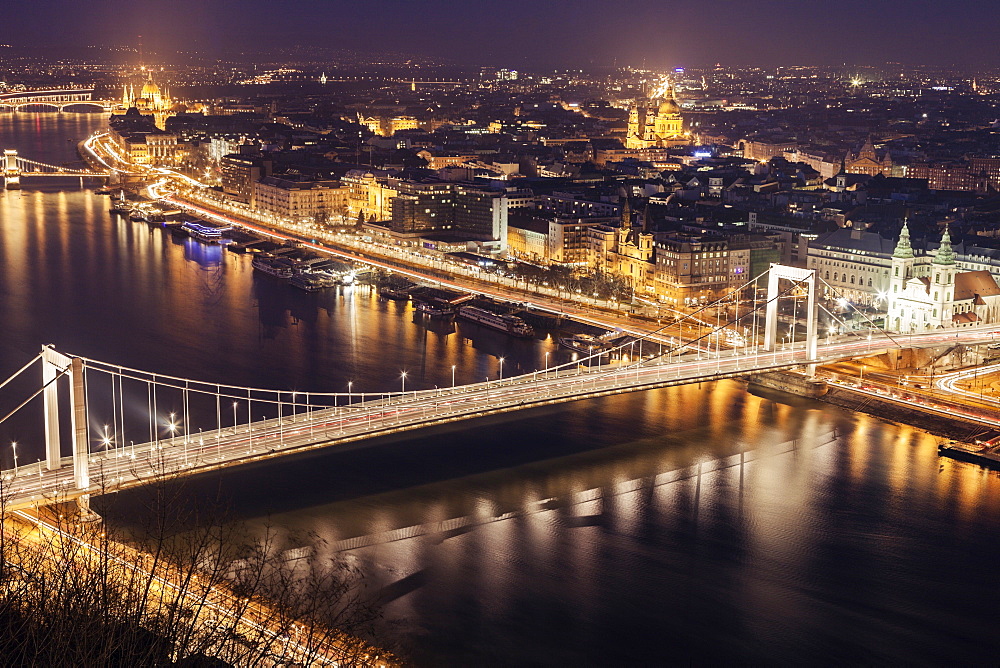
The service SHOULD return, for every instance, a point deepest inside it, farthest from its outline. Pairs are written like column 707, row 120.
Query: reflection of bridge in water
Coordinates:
column 127, row 427
column 59, row 99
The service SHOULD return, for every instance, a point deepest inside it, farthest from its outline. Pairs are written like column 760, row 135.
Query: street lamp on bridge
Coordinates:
column 402, row 378
column 172, row 425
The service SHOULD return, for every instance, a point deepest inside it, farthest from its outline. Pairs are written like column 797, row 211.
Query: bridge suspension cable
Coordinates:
column 837, row 291
column 55, row 168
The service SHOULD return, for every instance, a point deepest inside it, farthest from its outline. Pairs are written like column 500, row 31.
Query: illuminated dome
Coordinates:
column 150, row 90
column 669, row 105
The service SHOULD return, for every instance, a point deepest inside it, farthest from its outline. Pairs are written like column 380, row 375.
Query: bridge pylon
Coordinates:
column 55, row 364
column 800, row 276
column 11, row 170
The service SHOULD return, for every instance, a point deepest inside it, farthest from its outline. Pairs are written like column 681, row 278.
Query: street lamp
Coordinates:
column 350, row 384
column 172, row 426
column 402, row 378
column 13, row 446
column 501, row 369
column 547, row 361
column 235, row 419
column 453, row 376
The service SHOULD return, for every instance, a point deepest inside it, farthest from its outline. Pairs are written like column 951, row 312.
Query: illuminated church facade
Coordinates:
column 656, row 122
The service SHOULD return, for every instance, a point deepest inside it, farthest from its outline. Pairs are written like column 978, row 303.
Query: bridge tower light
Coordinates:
column 11, row 170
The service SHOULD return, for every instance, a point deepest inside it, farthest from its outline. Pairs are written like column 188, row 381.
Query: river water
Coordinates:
column 701, row 524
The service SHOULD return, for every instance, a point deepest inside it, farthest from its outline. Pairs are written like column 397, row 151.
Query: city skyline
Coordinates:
column 538, row 34
column 519, row 334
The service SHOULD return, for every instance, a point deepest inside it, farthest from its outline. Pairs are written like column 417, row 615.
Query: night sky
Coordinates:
column 522, row 33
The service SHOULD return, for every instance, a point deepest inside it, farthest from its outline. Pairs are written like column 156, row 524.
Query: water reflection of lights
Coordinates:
column 582, row 498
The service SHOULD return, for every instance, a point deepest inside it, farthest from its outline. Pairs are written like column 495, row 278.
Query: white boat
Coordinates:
column 121, row 207
column 510, row 324
column 584, row 344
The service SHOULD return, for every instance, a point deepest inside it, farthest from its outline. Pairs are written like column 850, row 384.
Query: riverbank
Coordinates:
column 948, row 419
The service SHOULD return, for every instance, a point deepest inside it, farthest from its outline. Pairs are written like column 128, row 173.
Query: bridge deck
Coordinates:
column 122, row 468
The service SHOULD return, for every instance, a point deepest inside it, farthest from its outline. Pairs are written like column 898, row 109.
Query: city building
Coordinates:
column 690, row 268
column 546, row 238
column 656, row 122
column 240, row 171
column 866, row 161
column 369, row 195
column 136, row 136
column 854, row 263
column 299, row 200
column 150, row 100
column 422, row 207
column 940, row 296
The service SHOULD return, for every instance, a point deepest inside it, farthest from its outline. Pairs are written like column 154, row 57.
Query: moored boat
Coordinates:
column 208, row 234
column 272, row 266
column 312, row 282
column 510, row 324
column 435, row 310
column 584, row 344
column 390, row 292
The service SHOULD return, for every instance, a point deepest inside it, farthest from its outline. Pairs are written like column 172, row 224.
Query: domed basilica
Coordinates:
column 656, row 122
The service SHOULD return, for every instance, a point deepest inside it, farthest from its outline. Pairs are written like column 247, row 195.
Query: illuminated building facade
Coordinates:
column 656, row 122
column 318, row 201
column 941, row 296
column 149, row 100
column 866, row 161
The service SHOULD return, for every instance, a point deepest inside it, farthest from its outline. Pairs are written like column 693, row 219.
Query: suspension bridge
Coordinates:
column 15, row 168
column 57, row 99
column 127, row 427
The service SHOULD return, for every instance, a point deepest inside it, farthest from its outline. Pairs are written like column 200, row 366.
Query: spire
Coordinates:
column 903, row 248
column 945, row 253
column 627, row 213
